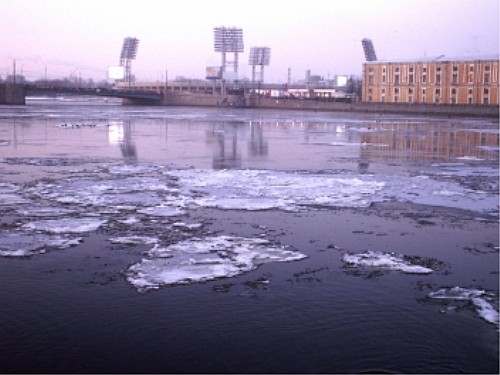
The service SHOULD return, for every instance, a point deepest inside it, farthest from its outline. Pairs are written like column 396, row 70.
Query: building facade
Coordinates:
column 458, row 81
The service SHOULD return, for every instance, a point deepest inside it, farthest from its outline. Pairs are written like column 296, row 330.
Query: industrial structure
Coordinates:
column 228, row 39
column 259, row 56
column 471, row 81
column 128, row 53
column 369, row 50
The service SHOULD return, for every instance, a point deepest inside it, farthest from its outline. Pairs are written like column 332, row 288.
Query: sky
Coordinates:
column 82, row 38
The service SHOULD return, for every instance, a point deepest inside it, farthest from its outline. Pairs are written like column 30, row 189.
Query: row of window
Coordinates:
column 437, row 95
column 424, row 75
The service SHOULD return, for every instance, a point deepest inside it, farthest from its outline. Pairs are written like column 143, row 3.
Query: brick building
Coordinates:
column 438, row 81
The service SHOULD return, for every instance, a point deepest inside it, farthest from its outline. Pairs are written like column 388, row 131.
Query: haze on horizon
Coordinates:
column 84, row 37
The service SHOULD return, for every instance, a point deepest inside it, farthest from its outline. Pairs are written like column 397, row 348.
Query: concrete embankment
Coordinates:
column 218, row 100
column 12, row 94
column 396, row 108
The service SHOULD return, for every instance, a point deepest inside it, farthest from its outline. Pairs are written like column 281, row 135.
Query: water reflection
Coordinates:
column 428, row 142
column 120, row 133
column 224, row 138
column 279, row 141
column 257, row 145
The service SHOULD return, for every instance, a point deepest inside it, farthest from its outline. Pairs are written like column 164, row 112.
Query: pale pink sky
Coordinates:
column 84, row 37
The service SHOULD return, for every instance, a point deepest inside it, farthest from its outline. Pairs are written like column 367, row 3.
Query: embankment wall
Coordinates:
column 397, row 108
column 12, row 94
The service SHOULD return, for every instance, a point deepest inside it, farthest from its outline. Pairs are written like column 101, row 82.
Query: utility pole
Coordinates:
column 166, row 80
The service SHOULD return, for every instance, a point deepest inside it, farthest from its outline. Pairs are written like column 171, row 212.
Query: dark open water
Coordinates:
column 425, row 189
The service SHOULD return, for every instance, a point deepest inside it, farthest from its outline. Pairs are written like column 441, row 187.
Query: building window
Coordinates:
column 410, row 91
column 438, row 95
column 486, row 77
column 396, row 91
column 410, row 99
column 370, row 79
column 383, row 78
column 383, row 91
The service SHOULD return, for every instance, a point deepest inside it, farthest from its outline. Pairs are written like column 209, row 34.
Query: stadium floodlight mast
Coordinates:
column 128, row 53
column 369, row 50
column 259, row 56
column 228, row 39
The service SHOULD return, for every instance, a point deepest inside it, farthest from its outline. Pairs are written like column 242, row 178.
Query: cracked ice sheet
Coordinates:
column 259, row 189
column 198, row 260
column 384, row 261
column 479, row 299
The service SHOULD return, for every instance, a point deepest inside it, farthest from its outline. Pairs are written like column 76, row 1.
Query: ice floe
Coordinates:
column 162, row 211
column 66, row 225
column 22, row 244
column 385, row 261
column 479, row 298
column 203, row 259
column 134, row 240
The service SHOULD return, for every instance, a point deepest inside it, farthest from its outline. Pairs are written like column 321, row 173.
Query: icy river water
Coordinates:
column 203, row 240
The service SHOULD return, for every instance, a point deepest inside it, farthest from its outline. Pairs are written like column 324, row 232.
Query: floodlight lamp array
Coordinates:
column 228, row 39
column 129, row 48
column 369, row 50
column 259, row 56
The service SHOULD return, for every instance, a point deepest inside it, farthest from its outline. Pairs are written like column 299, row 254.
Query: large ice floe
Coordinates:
column 480, row 299
column 204, row 259
column 385, row 262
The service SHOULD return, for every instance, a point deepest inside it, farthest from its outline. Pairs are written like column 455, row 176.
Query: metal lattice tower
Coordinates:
column 259, row 56
column 128, row 53
column 369, row 50
column 228, row 39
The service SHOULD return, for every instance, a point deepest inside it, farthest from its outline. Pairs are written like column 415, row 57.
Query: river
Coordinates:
column 205, row 240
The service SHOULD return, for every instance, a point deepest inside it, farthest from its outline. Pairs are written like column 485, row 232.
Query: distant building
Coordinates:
column 439, row 81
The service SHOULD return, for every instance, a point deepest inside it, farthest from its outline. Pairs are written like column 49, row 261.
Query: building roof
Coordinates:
column 441, row 58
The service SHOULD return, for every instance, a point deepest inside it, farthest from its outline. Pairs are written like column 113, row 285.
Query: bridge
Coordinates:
column 16, row 94
column 135, row 94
